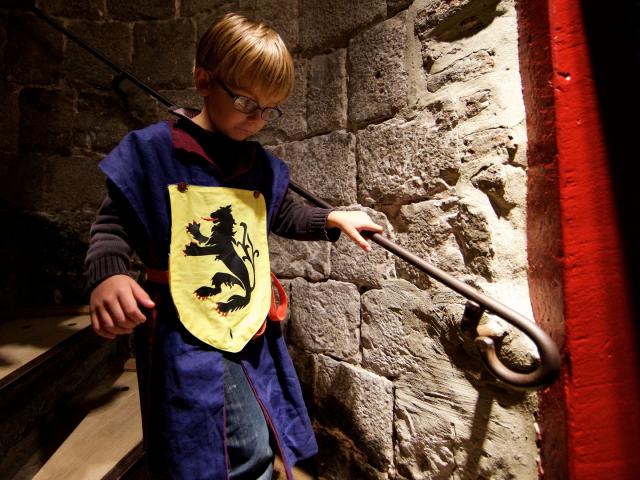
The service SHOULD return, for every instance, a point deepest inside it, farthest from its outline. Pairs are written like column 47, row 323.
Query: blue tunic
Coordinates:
column 181, row 378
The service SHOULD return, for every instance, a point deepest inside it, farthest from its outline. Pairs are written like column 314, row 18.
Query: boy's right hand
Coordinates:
column 114, row 306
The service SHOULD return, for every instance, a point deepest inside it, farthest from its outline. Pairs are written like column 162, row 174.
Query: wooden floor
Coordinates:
column 107, row 433
column 23, row 340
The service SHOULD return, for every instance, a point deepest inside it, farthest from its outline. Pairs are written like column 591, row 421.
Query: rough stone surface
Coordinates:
column 402, row 326
column 282, row 15
column 293, row 122
column 494, row 144
column 325, row 165
column 290, row 258
column 163, row 53
column 337, row 459
column 327, row 99
column 83, row 69
column 100, row 123
column 437, row 12
column 22, row 179
column 330, row 22
column 349, row 263
column 3, row 42
column 194, row 7
column 492, row 181
column 394, row 6
column 378, row 77
column 404, row 162
column 141, row 10
column 85, row 9
column 10, row 119
column 470, row 228
column 325, row 318
column 64, row 174
column 445, row 429
column 360, row 405
column 425, row 229
column 462, row 70
column 33, row 53
column 46, row 120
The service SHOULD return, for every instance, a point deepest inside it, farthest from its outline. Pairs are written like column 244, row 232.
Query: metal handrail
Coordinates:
column 550, row 362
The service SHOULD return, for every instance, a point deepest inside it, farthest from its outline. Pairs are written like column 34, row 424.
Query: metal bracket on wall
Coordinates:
column 550, row 361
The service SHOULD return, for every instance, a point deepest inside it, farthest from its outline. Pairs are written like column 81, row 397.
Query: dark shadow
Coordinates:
column 613, row 35
column 41, row 261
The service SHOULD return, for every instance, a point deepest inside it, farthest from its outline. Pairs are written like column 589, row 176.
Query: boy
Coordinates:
column 195, row 200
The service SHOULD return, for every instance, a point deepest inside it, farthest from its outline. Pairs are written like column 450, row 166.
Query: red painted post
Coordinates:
column 590, row 419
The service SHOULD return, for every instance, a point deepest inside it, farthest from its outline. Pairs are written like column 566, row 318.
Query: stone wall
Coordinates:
column 410, row 110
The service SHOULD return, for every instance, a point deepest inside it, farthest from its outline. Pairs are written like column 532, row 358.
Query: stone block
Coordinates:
column 113, row 38
column 189, row 8
column 467, row 68
column 330, row 23
column 325, row 318
column 378, row 76
column 448, row 21
column 472, row 233
column 9, row 120
column 74, row 184
column 101, row 122
column 406, row 162
column 163, row 53
column 290, row 258
column 141, row 10
column 394, row 6
column 293, row 123
column 81, row 9
column 494, row 145
column 473, row 104
column 360, row 405
column 337, row 458
column 402, row 327
column 3, row 44
column 217, row 9
column 46, row 119
column 326, row 166
column 425, row 228
column 446, row 428
column 327, row 99
column 33, row 52
column 349, row 263
column 22, row 178
column 492, row 181
column 282, row 16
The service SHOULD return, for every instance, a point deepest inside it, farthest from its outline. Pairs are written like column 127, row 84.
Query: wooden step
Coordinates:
column 28, row 342
column 48, row 359
column 108, row 433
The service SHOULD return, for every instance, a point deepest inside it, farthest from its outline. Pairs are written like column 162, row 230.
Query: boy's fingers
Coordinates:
column 141, row 296
column 359, row 239
column 105, row 323
column 96, row 327
column 118, row 316
column 131, row 310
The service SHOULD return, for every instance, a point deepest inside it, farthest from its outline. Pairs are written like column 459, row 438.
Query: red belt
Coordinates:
column 277, row 312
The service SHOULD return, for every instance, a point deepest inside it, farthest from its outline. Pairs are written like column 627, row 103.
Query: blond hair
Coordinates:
column 241, row 52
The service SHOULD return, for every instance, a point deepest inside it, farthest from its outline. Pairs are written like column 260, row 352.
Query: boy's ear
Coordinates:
column 203, row 81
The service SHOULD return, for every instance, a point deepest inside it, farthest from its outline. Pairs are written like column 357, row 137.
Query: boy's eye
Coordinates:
column 245, row 105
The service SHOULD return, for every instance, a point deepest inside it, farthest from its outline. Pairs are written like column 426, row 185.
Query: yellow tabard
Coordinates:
column 219, row 263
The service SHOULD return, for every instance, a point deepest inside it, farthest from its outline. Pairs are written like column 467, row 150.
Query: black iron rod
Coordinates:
column 102, row 57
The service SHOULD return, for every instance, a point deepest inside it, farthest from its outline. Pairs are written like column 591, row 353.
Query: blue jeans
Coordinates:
column 248, row 447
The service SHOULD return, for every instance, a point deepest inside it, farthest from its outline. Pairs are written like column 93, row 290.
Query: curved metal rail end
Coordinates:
column 542, row 376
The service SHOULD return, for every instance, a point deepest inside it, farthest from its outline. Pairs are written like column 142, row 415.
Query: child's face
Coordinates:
column 224, row 117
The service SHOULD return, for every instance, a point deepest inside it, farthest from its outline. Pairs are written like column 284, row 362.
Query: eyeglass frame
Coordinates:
column 234, row 97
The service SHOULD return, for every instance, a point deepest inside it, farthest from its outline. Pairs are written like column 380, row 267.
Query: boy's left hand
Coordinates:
column 352, row 223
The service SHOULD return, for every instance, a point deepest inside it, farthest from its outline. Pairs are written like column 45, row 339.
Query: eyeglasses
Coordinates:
column 248, row 106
